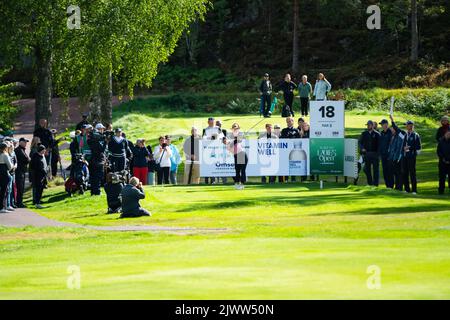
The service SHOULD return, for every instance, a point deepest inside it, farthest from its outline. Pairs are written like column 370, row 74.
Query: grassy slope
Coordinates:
column 283, row 241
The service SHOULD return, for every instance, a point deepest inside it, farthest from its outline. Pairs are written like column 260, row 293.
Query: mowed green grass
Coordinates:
column 292, row 241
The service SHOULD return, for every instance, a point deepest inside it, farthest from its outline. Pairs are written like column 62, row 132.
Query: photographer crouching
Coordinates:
column 131, row 194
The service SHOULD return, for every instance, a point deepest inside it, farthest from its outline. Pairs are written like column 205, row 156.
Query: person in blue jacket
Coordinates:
column 395, row 155
column 412, row 147
column 322, row 88
column 175, row 160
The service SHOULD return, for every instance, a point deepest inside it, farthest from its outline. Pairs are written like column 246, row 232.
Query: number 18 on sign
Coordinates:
column 327, row 119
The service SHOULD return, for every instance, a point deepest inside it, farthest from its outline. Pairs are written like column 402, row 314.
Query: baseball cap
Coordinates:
column 118, row 130
column 445, row 118
column 211, row 119
column 277, row 126
column 266, row 75
column 40, row 148
column 23, row 140
column 3, row 145
column 409, row 122
column 370, row 122
column 99, row 126
column 384, row 121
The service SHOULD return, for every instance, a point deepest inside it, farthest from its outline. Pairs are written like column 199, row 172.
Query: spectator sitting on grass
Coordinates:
column 131, row 194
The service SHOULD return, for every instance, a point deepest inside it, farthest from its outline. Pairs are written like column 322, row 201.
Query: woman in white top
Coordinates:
column 162, row 156
column 5, row 167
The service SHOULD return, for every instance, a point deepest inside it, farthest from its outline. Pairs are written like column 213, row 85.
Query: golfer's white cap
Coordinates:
column 99, row 126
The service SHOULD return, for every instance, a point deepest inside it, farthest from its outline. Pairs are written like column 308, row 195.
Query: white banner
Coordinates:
column 266, row 157
column 327, row 119
column 351, row 158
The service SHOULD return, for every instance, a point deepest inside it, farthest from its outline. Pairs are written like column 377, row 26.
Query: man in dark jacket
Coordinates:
column 83, row 122
column 395, row 155
column 369, row 144
column 443, row 151
column 131, row 194
column 385, row 140
column 412, row 146
column 290, row 133
column 22, row 167
column 265, row 90
column 97, row 144
column 44, row 134
column 192, row 154
column 113, row 188
column 39, row 172
column 443, row 129
column 288, row 87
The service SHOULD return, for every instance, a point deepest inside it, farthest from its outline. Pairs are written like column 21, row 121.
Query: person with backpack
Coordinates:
column 288, row 87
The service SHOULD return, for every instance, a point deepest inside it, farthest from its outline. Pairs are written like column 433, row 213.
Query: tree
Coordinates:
column 122, row 39
column 414, row 32
column 295, row 45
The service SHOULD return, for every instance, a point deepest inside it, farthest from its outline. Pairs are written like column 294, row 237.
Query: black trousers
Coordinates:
column 20, row 186
column 95, row 178
column 304, row 104
column 388, row 174
column 38, row 189
column 372, row 169
column 444, row 174
column 3, row 187
column 118, row 164
column 54, row 168
column 271, row 179
column 289, row 101
column 267, row 103
column 397, row 174
column 409, row 172
column 163, row 175
column 140, row 213
column 240, row 166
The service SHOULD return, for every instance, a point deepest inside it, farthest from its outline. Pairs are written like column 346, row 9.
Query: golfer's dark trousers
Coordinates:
column 20, row 185
column 397, row 174
column 409, row 172
column 289, row 101
column 388, row 174
column 304, row 106
column 95, row 177
column 240, row 165
column 372, row 168
column 163, row 175
column 266, row 100
column 444, row 174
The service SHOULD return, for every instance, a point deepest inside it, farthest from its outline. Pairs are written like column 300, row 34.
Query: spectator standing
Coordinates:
column 305, row 91
column 151, row 165
column 290, row 133
column 443, row 129
column 39, row 171
column 443, row 151
column 412, row 147
column 192, row 152
column 385, row 140
column 162, row 157
column 369, row 144
column 268, row 136
column 322, row 88
column 141, row 156
column 175, row 160
column 265, row 90
column 288, row 87
column 6, row 166
column 395, row 155
column 23, row 161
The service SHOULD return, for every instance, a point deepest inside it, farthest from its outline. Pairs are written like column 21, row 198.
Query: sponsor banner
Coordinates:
column 266, row 157
column 327, row 119
column 351, row 158
column 327, row 156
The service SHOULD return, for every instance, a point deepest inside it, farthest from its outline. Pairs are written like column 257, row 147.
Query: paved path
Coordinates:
column 22, row 218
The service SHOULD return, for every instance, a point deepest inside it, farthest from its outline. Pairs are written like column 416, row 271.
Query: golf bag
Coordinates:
column 286, row 111
column 79, row 176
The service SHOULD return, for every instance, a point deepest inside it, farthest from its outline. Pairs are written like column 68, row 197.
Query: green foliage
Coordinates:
column 7, row 110
column 431, row 103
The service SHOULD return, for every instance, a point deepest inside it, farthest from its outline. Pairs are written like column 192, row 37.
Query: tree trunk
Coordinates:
column 43, row 102
column 414, row 32
column 106, row 97
column 295, row 45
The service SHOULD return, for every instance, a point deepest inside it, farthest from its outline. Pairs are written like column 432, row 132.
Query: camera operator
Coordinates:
column 131, row 194
column 113, row 188
column 162, row 157
column 118, row 149
column 97, row 144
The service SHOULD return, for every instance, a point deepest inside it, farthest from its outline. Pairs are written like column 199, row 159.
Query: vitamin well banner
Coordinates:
column 266, row 157
column 327, row 156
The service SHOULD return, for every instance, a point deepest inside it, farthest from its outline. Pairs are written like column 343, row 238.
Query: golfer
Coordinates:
column 234, row 145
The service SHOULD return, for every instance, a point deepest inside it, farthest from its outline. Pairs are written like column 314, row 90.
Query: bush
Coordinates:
column 432, row 103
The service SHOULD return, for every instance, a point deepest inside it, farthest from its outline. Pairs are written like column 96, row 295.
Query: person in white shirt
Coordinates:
column 162, row 155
